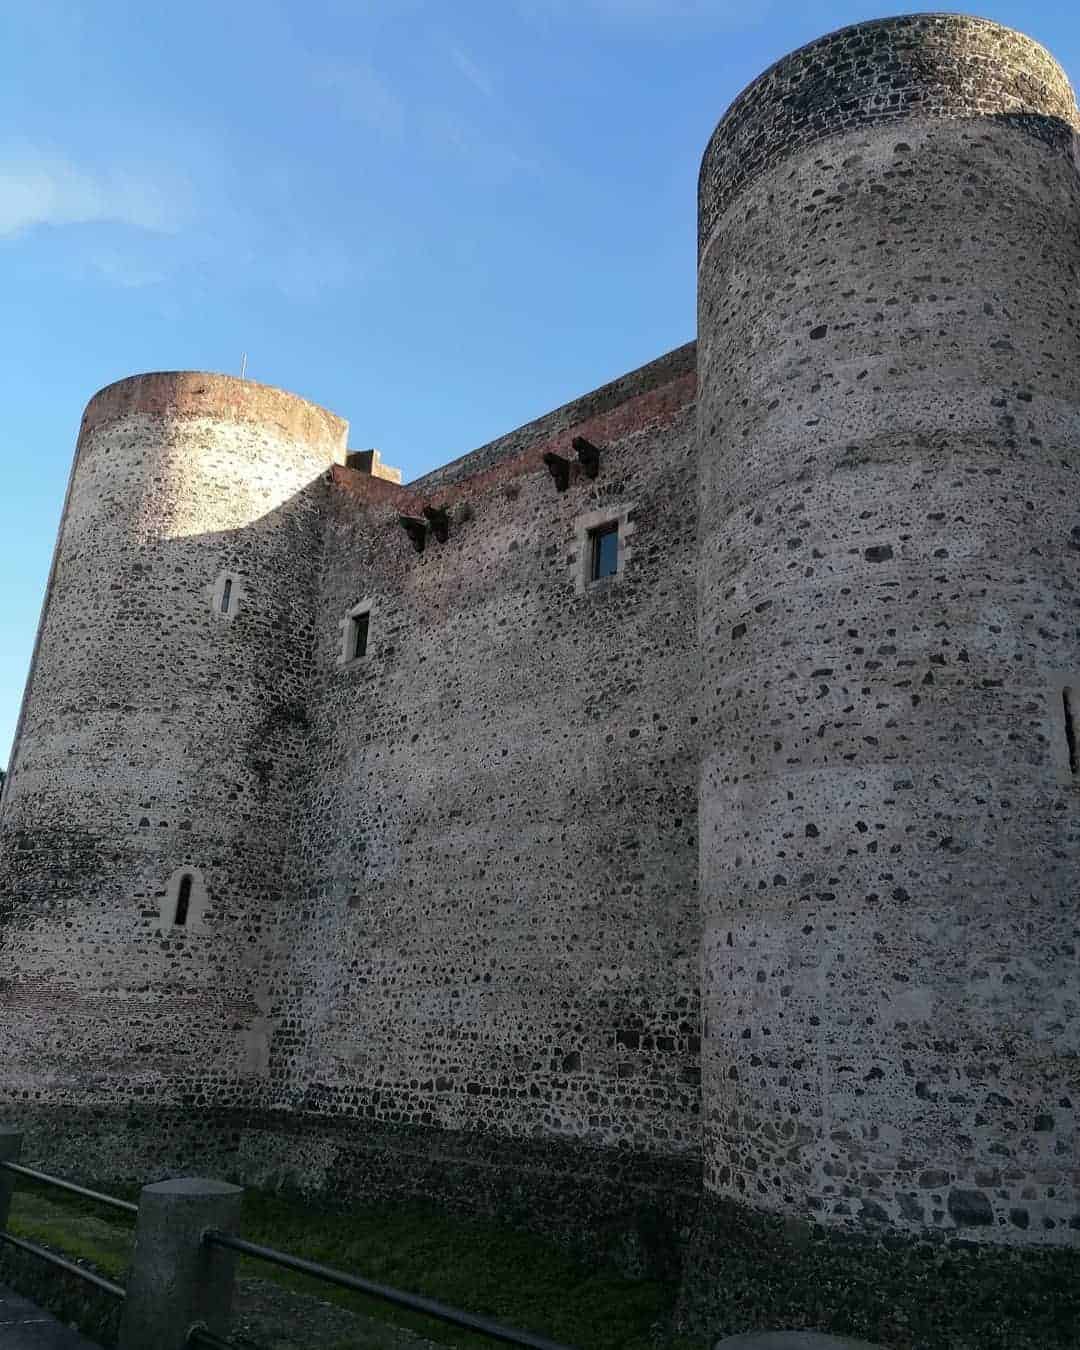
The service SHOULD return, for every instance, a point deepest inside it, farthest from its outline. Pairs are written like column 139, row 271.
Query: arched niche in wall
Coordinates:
column 183, row 906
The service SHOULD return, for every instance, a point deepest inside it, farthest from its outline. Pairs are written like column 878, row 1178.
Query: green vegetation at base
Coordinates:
column 78, row 1229
column 754, row 1272
column 479, row 1267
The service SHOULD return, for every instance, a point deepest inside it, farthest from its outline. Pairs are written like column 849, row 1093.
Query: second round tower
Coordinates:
column 889, row 431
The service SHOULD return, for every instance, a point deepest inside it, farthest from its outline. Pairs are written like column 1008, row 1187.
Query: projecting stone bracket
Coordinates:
column 433, row 520
column 417, row 530
column 560, row 470
column 439, row 520
column 588, row 456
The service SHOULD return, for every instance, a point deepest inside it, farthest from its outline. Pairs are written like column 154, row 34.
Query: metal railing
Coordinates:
column 42, row 1253
column 111, row 1200
column 207, row 1339
column 184, row 1270
column 414, row 1302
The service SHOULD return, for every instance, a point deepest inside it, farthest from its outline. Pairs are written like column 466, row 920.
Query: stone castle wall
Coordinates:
column 760, row 856
column 495, row 923
column 889, row 420
column 465, row 896
column 159, row 737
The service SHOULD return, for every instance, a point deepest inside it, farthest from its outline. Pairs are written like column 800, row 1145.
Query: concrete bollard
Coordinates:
column 176, row 1280
column 10, row 1148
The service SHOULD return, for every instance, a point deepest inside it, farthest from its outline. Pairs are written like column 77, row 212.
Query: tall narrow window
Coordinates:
column 355, row 629
column 183, row 900
column 1069, row 709
column 360, row 624
column 604, row 542
column 227, row 595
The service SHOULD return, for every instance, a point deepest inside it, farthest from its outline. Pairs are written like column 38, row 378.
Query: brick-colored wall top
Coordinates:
column 188, row 393
column 373, row 490
column 646, row 398
column 653, row 408
column 674, row 370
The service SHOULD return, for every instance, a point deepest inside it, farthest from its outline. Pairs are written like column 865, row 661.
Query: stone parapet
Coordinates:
column 926, row 66
column 175, row 394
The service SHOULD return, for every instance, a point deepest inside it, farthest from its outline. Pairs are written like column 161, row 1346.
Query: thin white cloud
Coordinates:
column 126, row 272
column 668, row 9
column 361, row 95
column 478, row 78
column 42, row 187
column 644, row 11
column 307, row 272
column 139, row 233
column 486, row 157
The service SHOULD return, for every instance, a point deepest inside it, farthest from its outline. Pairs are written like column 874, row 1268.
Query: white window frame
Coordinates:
column 348, row 633
column 217, row 595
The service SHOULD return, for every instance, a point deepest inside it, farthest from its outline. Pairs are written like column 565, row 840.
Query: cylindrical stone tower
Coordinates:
column 889, row 420
column 143, row 828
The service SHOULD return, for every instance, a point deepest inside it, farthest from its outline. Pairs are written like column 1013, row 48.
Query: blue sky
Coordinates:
column 438, row 219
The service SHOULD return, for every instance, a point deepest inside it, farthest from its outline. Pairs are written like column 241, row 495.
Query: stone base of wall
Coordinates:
column 746, row 1271
column 634, row 1211
column 739, row 1270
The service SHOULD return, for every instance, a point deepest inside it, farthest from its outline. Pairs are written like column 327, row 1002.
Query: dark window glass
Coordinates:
column 226, row 596
column 605, row 551
column 183, row 899
column 360, row 634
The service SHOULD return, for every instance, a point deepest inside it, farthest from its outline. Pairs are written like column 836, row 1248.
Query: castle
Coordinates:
column 674, row 801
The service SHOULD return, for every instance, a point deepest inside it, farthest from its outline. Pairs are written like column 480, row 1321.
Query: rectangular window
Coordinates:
column 604, row 541
column 360, row 634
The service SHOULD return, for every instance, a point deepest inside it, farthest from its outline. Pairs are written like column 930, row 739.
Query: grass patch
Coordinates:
column 73, row 1226
column 512, row 1277
column 909, row 1296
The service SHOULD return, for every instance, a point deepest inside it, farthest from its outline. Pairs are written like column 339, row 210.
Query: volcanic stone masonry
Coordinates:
column 399, row 854
column 888, row 381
